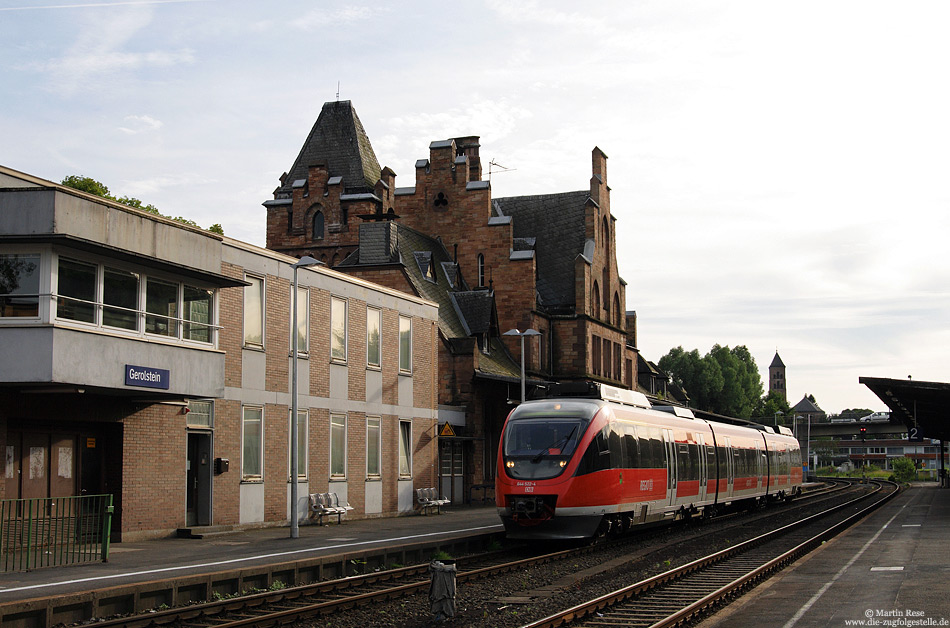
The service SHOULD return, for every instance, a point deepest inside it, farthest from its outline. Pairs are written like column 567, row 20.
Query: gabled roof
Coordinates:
column 807, row 406
column 555, row 223
column 338, row 140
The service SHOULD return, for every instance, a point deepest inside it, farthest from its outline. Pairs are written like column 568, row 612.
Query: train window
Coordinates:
column 615, row 442
column 539, row 448
column 683, row 463
column 658, row 448
column 631, row 447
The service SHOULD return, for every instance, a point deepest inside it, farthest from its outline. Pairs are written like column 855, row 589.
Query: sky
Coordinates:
column 778, row 171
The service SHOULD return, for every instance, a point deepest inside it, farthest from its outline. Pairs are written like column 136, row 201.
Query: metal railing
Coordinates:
column 46, row 532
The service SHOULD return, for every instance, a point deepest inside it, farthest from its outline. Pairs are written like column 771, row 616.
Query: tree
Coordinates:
column 725, row 381
column 771, row 404
column 904, row 469
column 91, row 186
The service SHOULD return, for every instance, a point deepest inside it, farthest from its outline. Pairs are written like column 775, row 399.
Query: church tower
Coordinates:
column 777, row 376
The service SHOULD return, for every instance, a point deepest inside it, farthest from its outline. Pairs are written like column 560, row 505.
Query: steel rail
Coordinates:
column 585, row 610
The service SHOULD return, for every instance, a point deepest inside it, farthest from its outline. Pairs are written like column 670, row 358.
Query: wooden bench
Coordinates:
column 428, row 499
column 322, row 505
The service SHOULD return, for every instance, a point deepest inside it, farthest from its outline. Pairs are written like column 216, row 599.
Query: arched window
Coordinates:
column 618, row 317
column 481, row 270
column 318, row 225
column 606, row 237
column 595, row 300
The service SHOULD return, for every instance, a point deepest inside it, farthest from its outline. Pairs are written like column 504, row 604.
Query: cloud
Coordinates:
column 140, row 124
column 337, row 18
column 101, row 52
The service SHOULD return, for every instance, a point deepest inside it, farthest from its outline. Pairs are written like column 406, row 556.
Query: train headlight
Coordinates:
column 510, row 464
column 562, row 463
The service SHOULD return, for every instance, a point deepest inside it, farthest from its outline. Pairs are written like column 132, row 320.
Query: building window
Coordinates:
column 405, row 449
column 200, row 413
column 318, row 226
column 595, row 300
column 19, row 286
column 337, row 445
column 120, row 298
column 373, row 325
column 405, row 344
column 595, row 354
column 618, row 315
column 77, row 291
column 302, row 449
column 252, row 443
column 254, row 311
column 373, row 447
column 197, row 312
column 303, row 319
column 337, row 330
column 481, row 270
column 161, row 307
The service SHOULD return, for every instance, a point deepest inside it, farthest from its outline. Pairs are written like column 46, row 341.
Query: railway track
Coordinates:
column 287, row 606
column 686, row 592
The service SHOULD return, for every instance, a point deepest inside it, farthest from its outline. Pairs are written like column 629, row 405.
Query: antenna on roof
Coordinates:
column 497, row 165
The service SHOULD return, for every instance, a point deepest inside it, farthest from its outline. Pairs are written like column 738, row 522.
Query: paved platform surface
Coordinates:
column 168, row 558
column 892, row 569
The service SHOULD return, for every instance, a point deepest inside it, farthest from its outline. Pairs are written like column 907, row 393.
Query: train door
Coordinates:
column 761, row 467
column 703, row 473
column 670, row 467
column 730, row 467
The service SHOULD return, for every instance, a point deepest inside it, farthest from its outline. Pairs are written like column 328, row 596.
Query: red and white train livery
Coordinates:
column 595, row 458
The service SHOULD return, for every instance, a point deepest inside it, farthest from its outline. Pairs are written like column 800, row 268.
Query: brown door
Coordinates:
column 62, row 471
column 34, row 465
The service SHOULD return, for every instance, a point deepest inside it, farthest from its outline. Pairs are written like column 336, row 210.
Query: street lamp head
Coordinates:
column 527, row 332
column 306, row 260
column 512, row 332
column 532, row 332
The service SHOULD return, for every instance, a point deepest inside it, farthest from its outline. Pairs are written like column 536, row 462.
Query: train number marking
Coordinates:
column 529, row 489
column 646, row 485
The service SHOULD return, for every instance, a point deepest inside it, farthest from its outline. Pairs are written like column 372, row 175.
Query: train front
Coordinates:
column 538, row 454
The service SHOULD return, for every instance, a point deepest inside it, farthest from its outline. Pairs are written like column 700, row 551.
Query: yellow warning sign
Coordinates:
column 446, row 430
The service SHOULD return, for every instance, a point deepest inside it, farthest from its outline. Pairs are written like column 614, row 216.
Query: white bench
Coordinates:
column 428, row 499
column 321, row 505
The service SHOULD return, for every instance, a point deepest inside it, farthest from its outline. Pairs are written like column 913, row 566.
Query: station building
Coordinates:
column 151, row 360
column 544, row 262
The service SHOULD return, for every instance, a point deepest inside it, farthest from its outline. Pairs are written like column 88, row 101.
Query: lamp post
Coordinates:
column 522, row 334
column 304, row 261
column 808, row 445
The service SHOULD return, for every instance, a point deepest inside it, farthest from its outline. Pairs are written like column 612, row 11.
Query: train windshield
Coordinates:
column 539, row 448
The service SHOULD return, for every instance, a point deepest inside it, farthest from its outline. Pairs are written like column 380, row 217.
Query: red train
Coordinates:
column 592, row 459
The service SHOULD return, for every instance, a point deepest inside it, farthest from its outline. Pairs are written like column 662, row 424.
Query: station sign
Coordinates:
column 147, row 377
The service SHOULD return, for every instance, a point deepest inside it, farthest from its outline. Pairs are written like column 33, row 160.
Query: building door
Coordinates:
column 198, row 480
column 451, row 465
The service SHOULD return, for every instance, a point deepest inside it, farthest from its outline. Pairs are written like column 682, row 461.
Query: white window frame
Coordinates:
column 195, row 409
column 376, row 314
column 374, row 421
column 263, row 307
column 338, row 476
column 303, row 320
column 333, row 321
column 405, row 370
column 405, row 448
column 245, row 476
column 303, row 450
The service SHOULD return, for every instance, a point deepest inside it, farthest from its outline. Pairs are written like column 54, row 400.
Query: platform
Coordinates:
column 147, row 561
column 892, row 569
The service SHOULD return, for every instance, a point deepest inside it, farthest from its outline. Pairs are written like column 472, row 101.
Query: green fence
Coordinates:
column 46, row 532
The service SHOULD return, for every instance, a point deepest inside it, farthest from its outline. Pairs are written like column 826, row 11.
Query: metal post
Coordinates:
column 306, row 260
column 522, row 334
column 808, row 445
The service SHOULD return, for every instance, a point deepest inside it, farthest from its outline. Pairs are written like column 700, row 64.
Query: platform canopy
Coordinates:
column 922, row 404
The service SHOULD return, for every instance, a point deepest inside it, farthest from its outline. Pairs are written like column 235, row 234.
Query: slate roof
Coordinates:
column 776, row 361
column 556, row 224
column 462, row 312
column 339, row 140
